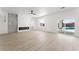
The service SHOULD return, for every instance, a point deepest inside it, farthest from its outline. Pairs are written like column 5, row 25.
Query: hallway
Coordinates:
column 38, row 41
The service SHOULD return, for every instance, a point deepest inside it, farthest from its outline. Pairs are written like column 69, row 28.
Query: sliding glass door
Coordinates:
column 69, row 25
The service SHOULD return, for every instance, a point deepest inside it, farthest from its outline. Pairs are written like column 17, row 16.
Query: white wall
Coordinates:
column 52, row 20
column 72, row 13
column 34, row 23
column 25, row 20
column 50, row 24
column 3, row 22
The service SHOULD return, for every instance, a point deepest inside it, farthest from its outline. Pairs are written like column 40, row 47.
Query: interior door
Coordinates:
column 12, row 23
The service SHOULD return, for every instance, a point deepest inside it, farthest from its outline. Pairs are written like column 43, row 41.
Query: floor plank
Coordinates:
column 38, row 41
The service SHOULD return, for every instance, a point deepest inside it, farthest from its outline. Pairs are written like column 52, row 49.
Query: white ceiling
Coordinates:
column 40, row 11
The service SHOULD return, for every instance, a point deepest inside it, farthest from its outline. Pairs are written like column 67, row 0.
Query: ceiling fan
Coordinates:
column 32, row 12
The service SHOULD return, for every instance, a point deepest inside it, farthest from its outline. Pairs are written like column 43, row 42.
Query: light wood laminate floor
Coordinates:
column 38, row 41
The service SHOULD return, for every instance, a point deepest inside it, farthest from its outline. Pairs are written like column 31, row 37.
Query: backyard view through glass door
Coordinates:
column 69, row 25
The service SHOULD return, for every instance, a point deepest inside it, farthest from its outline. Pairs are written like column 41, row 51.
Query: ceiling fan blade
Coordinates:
column 62, row 7
column 34, row 14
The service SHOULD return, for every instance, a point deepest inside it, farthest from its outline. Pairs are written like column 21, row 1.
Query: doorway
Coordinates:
column 12, row 22
column 67, row 26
